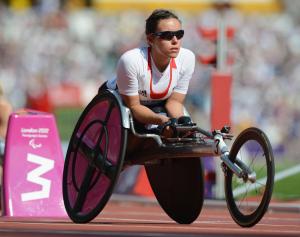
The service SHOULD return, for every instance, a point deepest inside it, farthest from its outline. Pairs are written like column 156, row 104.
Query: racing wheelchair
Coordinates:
column 99, row 150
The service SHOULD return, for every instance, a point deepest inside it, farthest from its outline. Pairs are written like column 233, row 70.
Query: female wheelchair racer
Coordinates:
column 109, row 137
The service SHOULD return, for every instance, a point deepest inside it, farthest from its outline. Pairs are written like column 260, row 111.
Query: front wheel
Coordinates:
column 248, row 201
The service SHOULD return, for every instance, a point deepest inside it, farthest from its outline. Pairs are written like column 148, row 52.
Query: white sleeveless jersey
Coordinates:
column 138, row 75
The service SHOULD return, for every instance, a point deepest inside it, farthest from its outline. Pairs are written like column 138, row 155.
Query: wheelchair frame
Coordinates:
column 102, row 172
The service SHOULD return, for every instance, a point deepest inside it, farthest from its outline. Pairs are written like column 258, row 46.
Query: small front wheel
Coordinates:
column 248, row 199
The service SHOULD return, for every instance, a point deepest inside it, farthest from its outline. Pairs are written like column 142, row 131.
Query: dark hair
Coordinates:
column 155, row 17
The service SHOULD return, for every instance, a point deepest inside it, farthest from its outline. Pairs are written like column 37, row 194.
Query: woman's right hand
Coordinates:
column 163, row 119
column 168, row 129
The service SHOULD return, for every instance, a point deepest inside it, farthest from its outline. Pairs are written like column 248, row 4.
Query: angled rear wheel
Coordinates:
column 94, row 158
column 178, row 185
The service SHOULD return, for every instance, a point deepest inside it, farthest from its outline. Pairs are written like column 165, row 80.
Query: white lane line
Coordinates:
column 211, row 222
column 162, row 221
column 288, row 172
column 278, row 176
column 180, row 228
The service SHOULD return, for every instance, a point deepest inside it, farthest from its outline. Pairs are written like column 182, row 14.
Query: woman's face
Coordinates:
column 164, row 47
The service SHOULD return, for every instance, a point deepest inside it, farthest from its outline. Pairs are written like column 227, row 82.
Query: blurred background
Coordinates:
column 54, row 54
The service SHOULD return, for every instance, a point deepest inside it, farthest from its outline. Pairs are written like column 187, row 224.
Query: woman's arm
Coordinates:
column 5, row 111
column 141, row 113
column 174, row 105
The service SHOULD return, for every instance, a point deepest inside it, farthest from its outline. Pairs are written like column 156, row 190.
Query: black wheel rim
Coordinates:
column 94, row 158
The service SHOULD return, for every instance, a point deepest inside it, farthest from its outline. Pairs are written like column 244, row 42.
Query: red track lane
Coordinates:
column 140, row 219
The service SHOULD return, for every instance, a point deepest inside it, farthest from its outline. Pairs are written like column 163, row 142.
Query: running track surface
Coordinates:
column 148, row 219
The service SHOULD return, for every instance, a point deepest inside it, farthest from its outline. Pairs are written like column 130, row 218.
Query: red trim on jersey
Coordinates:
column 160, row 95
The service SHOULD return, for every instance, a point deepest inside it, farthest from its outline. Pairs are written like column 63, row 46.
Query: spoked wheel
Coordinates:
column 248, row 201
column 178, row 185
column 94, row 158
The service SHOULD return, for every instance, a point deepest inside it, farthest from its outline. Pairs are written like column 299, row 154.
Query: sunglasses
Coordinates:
column 168, row 35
